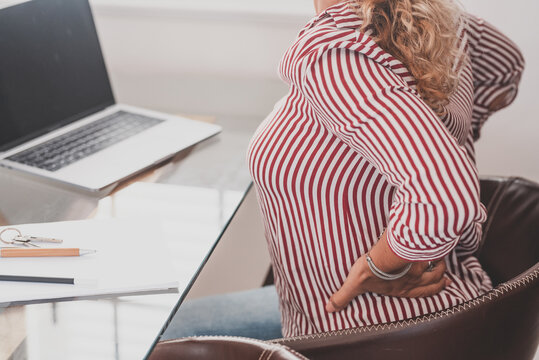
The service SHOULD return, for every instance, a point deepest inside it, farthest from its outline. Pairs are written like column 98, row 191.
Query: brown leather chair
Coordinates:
column 502, row 324
column 222, row 348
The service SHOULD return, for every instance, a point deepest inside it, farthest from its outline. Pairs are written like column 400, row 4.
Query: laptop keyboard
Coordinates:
column 84, row 141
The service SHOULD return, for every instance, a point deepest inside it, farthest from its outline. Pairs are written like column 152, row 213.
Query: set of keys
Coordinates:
column 25, row 240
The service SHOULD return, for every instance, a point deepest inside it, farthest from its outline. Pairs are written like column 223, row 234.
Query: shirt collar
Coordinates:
column 345, row 17
column 344, row 14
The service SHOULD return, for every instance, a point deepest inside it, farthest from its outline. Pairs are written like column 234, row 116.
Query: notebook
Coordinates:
column 58, row 114
column 130, row 260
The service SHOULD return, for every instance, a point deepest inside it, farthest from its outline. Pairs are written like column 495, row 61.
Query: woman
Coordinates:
column 365, row 171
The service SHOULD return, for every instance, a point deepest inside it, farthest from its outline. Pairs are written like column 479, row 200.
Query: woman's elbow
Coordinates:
column 468, row 212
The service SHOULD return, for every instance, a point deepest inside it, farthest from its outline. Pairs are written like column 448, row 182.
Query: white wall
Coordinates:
column 191, row 60
column 509, row 143
column 217, row 57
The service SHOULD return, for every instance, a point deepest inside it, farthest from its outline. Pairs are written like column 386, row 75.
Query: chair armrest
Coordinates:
column 472, row 330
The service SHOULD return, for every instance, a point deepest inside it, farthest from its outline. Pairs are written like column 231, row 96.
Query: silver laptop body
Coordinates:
column 54, row 83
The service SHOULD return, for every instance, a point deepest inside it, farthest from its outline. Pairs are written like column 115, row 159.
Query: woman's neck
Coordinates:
column 321, row 5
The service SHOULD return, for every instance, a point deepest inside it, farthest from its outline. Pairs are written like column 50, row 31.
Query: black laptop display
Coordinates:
column 51, row 68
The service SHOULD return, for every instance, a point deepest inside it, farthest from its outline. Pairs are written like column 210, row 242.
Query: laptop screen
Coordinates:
column 51, row 68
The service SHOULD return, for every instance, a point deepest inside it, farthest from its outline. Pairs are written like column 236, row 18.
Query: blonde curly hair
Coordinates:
column 422, row 34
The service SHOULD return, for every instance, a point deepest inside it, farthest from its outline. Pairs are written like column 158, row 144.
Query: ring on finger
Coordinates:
column 430, row 266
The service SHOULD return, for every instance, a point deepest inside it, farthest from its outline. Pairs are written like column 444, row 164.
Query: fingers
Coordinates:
column 419, row 269
column 350, row 288
column 434, row 276
column 332, row 306
column 434, row 282
column 438, row 264
column 343, row 296
column 417, row 283
column 430, row 282
column 429, row 290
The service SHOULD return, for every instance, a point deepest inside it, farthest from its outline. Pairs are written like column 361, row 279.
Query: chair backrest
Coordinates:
column 223, row 348
column 502, row 324
column 511, row 232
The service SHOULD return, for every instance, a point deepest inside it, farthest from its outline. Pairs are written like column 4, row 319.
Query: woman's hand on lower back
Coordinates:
column 418, row 282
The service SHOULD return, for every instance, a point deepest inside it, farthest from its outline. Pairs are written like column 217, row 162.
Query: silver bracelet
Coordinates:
column 383, row 275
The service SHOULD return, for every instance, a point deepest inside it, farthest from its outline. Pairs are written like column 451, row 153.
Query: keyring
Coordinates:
column 6, row 230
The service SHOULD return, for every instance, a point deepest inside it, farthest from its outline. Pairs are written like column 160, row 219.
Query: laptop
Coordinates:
column 58, row 115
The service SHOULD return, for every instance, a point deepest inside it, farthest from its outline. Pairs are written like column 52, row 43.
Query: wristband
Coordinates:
column 383, row 275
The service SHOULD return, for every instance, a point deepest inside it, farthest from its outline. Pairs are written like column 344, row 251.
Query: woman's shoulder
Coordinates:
column 304, row 60
column 337, row 26
column 335, row 29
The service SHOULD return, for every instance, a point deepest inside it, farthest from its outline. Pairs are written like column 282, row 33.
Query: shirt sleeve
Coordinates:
column 374, row 112
column 497, row 65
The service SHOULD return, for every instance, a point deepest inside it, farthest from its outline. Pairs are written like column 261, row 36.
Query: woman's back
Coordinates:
column 352, row 150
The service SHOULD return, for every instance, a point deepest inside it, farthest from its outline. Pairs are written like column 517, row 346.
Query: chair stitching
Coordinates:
column 491, row 295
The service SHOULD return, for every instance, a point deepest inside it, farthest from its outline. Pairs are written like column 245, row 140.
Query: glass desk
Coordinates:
column 191, row 199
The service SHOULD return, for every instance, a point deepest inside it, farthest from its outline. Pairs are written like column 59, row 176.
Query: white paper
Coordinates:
column 131, row 259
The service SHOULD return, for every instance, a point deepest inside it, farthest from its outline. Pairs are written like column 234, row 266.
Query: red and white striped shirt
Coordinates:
column 352, row 149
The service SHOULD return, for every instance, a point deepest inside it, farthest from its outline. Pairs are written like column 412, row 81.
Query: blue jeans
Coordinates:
column 253, row 314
